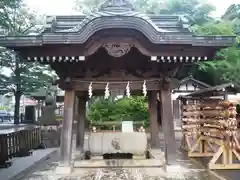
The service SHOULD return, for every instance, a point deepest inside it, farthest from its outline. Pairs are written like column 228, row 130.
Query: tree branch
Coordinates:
column 27, row 29
column 9, row 20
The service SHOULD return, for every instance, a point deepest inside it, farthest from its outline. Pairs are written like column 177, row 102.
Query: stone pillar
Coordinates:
column 66, row 134
column 154, row 126
column 168, row 125
column 81, row 123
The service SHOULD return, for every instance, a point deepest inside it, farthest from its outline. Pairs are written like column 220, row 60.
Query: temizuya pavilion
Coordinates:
column 119, row 47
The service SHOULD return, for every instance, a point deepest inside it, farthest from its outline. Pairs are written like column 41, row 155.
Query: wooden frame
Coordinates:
column 185, row 142
column 227, row 158
column 221, row 149
column 201, row 148
column 222, row 158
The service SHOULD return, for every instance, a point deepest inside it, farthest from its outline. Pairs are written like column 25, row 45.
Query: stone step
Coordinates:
column 119, row 163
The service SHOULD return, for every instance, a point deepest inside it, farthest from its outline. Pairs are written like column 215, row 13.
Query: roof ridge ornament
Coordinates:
column 116, row 5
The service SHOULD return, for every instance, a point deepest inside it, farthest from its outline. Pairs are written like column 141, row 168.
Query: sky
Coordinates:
column 65, row 7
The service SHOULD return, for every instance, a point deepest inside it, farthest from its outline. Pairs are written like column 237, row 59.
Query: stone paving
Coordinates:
column 22, row 164
column 185, row 170
column 46, row 171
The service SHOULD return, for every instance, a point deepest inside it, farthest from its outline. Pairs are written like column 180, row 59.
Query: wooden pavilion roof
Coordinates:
column 166, row 38
column 192, row 79
column 219, row 90
column 42, row 93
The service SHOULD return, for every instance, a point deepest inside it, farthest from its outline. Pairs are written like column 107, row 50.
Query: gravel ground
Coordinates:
column 186, row 170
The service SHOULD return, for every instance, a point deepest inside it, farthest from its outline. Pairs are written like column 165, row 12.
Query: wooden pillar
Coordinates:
column 168, row 125
column 154, row 126
column 159, row 118
column 176, row 112
column 66, row 132
column 225, row 96
column 38, row 110
column 81, row 123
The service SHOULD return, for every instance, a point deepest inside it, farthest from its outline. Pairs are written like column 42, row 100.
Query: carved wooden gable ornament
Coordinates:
column 117, row 50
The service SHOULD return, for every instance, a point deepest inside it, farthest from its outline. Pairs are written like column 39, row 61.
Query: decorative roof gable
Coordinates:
column 164, row 23
column 118, row 10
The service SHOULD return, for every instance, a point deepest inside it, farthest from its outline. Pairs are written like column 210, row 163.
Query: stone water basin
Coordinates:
column 100, row 143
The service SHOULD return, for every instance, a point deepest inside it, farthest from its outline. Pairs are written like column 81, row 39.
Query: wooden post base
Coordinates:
column 185, row 143
column 230, row 158
column 223, row 157
column 202, row 148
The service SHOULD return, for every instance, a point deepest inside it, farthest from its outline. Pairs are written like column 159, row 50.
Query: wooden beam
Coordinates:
column 119, row 86
column 168, row 125
column 87, row 50
column 134, row 85
column 66, row 132
column 81, row 85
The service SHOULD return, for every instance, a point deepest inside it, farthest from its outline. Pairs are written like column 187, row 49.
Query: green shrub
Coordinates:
column 125, row 109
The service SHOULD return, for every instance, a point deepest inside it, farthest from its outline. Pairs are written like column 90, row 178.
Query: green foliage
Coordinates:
column 87, row 6
column 133, row 109
column 228, row 68
column 28, row 76
column 137, row 109
column 3, row 108
column 238, row 108
column 215, row 28
column 232, row 13
column 23, row 77
column 7, row 7
column 195, row 10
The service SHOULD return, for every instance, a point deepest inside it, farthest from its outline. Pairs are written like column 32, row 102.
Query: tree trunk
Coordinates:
column 17, row 107
column 18, row 90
